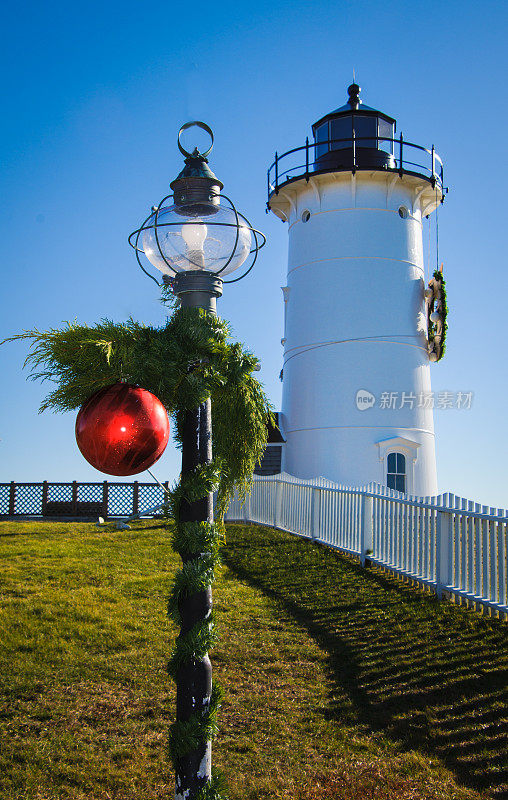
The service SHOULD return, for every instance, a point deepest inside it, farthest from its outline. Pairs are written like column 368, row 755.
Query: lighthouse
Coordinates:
column 357, row 404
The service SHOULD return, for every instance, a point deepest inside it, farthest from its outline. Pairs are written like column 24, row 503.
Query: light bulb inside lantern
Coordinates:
column 194, row 235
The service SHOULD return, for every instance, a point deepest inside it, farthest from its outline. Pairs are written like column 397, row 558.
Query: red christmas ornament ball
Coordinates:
column 122, row 429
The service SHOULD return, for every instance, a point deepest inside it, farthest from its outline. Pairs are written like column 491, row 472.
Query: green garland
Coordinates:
column 216, row 789
column 195, row 537
column 186, row 736
column 183, row 363
column 199, row 543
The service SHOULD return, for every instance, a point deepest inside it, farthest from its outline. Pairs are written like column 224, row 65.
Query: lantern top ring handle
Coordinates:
column 198, row 124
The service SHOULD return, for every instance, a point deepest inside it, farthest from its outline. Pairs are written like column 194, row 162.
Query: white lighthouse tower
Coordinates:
column 356, row 403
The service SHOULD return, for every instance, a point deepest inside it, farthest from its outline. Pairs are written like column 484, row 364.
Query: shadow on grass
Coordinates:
column 429, row 675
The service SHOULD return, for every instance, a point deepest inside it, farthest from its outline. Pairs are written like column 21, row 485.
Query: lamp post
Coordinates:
column 195, row 242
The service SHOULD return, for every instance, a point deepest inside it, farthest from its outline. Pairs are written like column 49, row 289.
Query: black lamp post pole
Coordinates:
column 194, row 679
column 195, row 288
column 196, row 202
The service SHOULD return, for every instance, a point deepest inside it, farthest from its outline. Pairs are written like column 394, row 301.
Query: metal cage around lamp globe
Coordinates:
column 196, row 241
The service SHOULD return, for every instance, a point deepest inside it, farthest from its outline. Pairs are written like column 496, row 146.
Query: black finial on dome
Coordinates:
column 353, row 92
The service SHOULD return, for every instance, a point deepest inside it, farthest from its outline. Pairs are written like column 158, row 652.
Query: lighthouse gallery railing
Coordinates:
column 448, row 544
column 408, row 157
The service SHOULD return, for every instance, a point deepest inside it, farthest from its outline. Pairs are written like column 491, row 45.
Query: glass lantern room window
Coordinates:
column 322, row 137
column 396, row 472
column 365, row 131
column 385, row 129
column 370, row 132
column 341, row 129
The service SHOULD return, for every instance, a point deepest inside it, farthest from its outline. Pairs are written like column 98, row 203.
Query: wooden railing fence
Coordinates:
column 450, row 545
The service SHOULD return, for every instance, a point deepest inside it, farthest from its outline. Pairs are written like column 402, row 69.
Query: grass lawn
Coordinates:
column 340, row 682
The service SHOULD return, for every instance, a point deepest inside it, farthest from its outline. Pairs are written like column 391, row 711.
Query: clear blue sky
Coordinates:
column 92, row 99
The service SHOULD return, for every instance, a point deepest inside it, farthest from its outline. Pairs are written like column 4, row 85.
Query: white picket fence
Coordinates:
column 451, row 545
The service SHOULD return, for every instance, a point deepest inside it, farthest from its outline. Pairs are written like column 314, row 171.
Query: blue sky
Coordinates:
column 93, row 97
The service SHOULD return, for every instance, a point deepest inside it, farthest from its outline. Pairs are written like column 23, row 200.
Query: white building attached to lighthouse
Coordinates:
column 356, row 373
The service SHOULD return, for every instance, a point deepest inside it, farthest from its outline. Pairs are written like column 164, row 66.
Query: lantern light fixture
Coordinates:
column 199, row 238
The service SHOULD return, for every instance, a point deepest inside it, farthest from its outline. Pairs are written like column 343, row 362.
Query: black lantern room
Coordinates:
column 354, row 136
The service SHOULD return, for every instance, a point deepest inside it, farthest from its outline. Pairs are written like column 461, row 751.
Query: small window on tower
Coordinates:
column 396, row 472
column 305, row 215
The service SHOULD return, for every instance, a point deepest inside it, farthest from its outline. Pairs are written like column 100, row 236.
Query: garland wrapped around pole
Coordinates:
column 194, row 370
column 190, row 604
column 197, row 699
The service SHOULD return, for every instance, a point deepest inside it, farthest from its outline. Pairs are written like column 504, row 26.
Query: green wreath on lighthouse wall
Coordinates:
column 437, row 313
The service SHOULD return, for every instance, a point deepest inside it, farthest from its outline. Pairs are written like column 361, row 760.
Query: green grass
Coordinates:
column 340, row 682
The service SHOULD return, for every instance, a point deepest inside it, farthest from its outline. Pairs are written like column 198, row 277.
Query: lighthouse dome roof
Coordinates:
column 354, row 105
column 346, row 108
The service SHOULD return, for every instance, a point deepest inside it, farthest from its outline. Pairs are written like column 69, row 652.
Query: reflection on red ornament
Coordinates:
column 122, row 429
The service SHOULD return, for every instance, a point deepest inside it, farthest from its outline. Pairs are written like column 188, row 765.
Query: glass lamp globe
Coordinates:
column 196, row 236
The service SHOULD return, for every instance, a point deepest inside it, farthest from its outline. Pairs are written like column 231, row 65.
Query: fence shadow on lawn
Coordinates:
column 429, row 675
